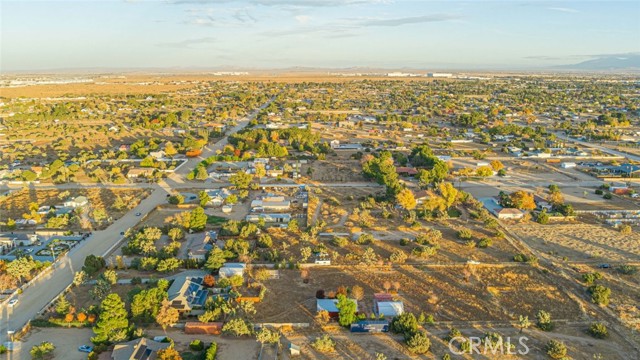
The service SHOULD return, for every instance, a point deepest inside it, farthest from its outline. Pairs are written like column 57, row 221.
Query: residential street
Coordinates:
column 42, row 291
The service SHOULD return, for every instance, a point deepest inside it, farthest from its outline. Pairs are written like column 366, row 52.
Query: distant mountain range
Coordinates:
column 629, row 62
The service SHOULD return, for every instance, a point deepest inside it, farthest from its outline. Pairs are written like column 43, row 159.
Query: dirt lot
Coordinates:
column 493, row 293
column 66, row 342
column 581, row 241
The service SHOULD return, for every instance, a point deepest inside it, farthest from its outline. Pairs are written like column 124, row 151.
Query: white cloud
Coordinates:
column 563, row 9
column 302, row 19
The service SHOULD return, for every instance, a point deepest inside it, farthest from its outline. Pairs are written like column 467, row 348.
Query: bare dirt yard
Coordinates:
column 580, row 241
column 492, row 293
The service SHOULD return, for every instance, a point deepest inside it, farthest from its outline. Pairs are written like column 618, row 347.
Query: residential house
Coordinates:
column 231, row 269
column 160, row 154
column 124, row 147
column 138, row 349
column 135, row 173
column 269, row 218
column 330, row 306
column 509, row 214
column 271, row 203
column 9, row 241
column 217, row 196
column 77, row 202
column 187, row 294
column 201, row 246
column 421, row 196
column 406, row 171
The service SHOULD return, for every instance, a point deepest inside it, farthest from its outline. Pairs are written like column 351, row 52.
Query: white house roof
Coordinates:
column 390, row 308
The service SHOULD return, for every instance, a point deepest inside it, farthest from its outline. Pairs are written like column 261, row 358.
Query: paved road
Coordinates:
column 46, row 288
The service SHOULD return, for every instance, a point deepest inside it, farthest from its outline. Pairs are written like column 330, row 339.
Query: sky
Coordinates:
column 251, row 34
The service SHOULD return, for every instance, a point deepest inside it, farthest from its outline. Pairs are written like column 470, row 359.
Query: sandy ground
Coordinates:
column 581, row 241
column 66, row 342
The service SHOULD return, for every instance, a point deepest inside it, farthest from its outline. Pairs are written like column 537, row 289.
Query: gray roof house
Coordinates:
column 187, row 294
column 139, row 349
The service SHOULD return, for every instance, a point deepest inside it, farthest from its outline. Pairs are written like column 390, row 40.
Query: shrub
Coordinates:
column 599, row 294
column 264, row 241
column 339, row 241
column 607, row 196
column 42, row 351
column 543, row 321
column 627, row 269
column 404, row 242
column 485, row 242
column 324, row 344
column 599, row 192
column 590, row 278
column 464, row 234
column 626, row 229
column 453, row 333
column 543, row 217
column 555, row 349
column 598, row 330
column 196, row 345
column 398, row 257
column 424, row 251
column 237, row 327
column 365, row 239
column 418, row 343
column 405, row 323
column 211, row 352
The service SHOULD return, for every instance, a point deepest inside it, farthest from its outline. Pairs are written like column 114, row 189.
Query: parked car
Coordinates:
column 13, row 302
column 138, row 214
column 604, row 266
column 85, row 348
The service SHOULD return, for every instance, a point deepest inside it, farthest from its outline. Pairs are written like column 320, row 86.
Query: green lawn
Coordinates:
column 216, row 220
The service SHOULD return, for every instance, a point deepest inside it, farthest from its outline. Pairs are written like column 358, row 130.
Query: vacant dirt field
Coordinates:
column 493, row 293
column 581, row 241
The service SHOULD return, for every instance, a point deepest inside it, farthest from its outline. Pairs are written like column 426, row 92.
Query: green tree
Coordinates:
column 110, row 276
column 267, row 336
column 21, row 268
column 406, row 199
column 598, row 330
column 216, row 259
column 198, row 219
column 237, row 327
column 555, row 349
column 449, row 193
column 63, row 306
column 347, row 309
column 599, row 294
column 418, row 343
column 201, row 173
column 113, row 322
column 241, row 180
column 543, row 320
column 523, row 322
column 93, row 264
column 405, row 323
column 175, row 234
column 204, row 198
